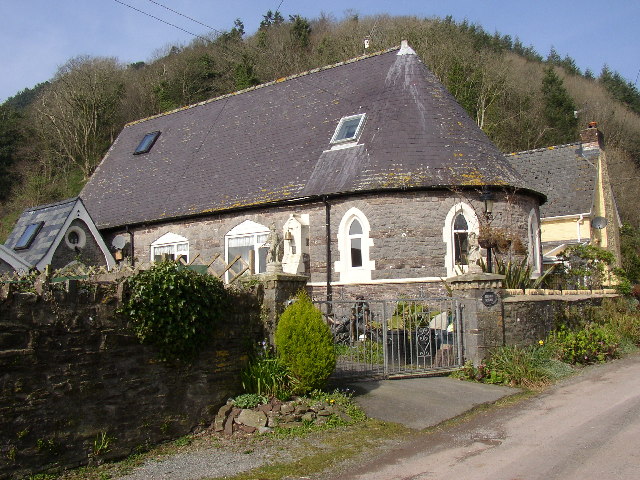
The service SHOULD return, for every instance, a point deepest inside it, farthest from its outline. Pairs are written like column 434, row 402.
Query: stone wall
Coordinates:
column 406, row 232
column 72, row 375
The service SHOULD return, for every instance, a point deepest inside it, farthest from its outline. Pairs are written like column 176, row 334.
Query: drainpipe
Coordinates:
column 133, row 261
column 327, row 227
column 580, row 221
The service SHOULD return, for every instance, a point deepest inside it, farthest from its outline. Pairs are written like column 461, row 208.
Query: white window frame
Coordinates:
column 535, row 246
column 253, row 231
column 173, row 244
column 448, row 235
column 349, row 273
column 336, row 139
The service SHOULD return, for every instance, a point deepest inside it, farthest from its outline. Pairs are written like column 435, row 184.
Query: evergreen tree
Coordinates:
column 558, row 110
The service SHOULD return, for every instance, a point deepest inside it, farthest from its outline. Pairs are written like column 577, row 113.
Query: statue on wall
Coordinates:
column 473, row 258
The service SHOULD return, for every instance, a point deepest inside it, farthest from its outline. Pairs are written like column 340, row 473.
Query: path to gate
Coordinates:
column 423, row 402
column 386, row 338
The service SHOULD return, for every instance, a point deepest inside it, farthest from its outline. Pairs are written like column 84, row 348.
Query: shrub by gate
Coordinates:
column 397, row 337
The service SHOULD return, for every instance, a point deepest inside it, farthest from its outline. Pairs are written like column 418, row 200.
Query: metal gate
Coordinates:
column 397, row 337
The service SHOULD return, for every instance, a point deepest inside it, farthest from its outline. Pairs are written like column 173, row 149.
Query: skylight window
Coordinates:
column 28, row 236
column 348, row 129
column 146, row 143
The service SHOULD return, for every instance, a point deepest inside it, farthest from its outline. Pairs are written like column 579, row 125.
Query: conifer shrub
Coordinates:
column 304, row 344
column 175, row 309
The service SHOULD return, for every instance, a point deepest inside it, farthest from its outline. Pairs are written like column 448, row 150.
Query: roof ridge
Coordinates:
column 542, row 149
column 267, row 84
column 49, row 205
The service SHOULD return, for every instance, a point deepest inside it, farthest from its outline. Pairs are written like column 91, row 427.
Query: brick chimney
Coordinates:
column 592, row 139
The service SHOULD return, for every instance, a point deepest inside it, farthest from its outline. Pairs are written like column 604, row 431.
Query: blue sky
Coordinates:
column 37, row 36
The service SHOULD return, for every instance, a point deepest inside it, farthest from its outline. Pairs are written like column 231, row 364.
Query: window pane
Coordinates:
column 160, row 252
column 243, row 251
column 28, row 235
column 262, row 259
column 461, row 244
column 460, row 223
column 146, row 143
column 245, row 241
column 348, row 129
column 355, row 228
column 356, row 252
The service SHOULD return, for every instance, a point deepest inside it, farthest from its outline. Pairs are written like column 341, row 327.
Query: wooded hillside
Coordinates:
column 53, row 136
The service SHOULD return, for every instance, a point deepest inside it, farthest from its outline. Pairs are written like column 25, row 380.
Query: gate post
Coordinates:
column 278, row 289
column 480, row 295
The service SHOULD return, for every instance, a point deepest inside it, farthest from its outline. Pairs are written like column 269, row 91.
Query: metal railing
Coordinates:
column 386, row 338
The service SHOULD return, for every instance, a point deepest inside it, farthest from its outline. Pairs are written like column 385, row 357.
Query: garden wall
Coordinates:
column 77, row 386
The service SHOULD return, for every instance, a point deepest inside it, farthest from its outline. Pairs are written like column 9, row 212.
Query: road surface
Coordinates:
column 585, row 428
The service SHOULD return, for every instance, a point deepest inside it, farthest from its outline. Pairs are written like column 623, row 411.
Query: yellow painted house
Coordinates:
column 580, row 205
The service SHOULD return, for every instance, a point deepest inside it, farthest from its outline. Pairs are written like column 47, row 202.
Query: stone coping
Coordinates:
column 544, row 291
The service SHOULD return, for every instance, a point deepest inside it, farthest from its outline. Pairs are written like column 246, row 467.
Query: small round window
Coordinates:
column 75, row 238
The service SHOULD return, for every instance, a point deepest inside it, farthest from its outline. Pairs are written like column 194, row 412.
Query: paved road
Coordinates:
column 585, row 428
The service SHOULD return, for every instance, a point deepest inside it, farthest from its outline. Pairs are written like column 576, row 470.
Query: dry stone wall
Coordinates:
column 76, row 385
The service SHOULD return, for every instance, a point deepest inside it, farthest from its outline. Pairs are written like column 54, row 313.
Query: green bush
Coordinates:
column 594, row 343
column 305, row 345
column 174, row 308
column 267, row 375
column 249, row 400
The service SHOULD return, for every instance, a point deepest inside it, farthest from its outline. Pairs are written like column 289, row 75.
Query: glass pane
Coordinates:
column 243, row 251
column 182, row 247
column 356, row 252
column 262, row 259
column 460, row 223
column 461, row 244
column 348, row 129
column 261, row 238
column 245, row 241
column 146, row 143
column 355, row 228
column 28, row 235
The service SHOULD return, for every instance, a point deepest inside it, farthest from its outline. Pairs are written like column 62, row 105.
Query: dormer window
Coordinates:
column 27, row 237
column 349, row 129
column 147, row 143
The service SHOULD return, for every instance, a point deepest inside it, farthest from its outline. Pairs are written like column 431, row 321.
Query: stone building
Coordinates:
column 57, row 234
column 372, row 174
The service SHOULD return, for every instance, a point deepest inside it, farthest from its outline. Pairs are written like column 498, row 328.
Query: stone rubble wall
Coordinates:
column 76, row 386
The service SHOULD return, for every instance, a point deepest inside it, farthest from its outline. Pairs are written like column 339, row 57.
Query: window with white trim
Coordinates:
column 460, row 226
column 535, row 253
column 461, row 240
column 247, row 240
column 348, row 129
column 354, row 246
column 170, row 247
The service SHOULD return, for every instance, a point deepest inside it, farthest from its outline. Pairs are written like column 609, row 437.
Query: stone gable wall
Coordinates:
column 71, row 371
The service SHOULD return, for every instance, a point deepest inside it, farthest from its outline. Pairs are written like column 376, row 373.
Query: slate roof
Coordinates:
column 54, row 216
column 271, row 144
column 565, row 174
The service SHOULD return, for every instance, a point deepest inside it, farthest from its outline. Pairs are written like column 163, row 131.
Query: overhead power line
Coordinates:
column 161, row 20
column 185, row 16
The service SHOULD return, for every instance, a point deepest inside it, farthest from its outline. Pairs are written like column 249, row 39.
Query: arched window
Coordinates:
column 535, row 253
column 461, row 240
column 460, row 228
column 170, row 246
column 248, row 241
column 354, row 245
